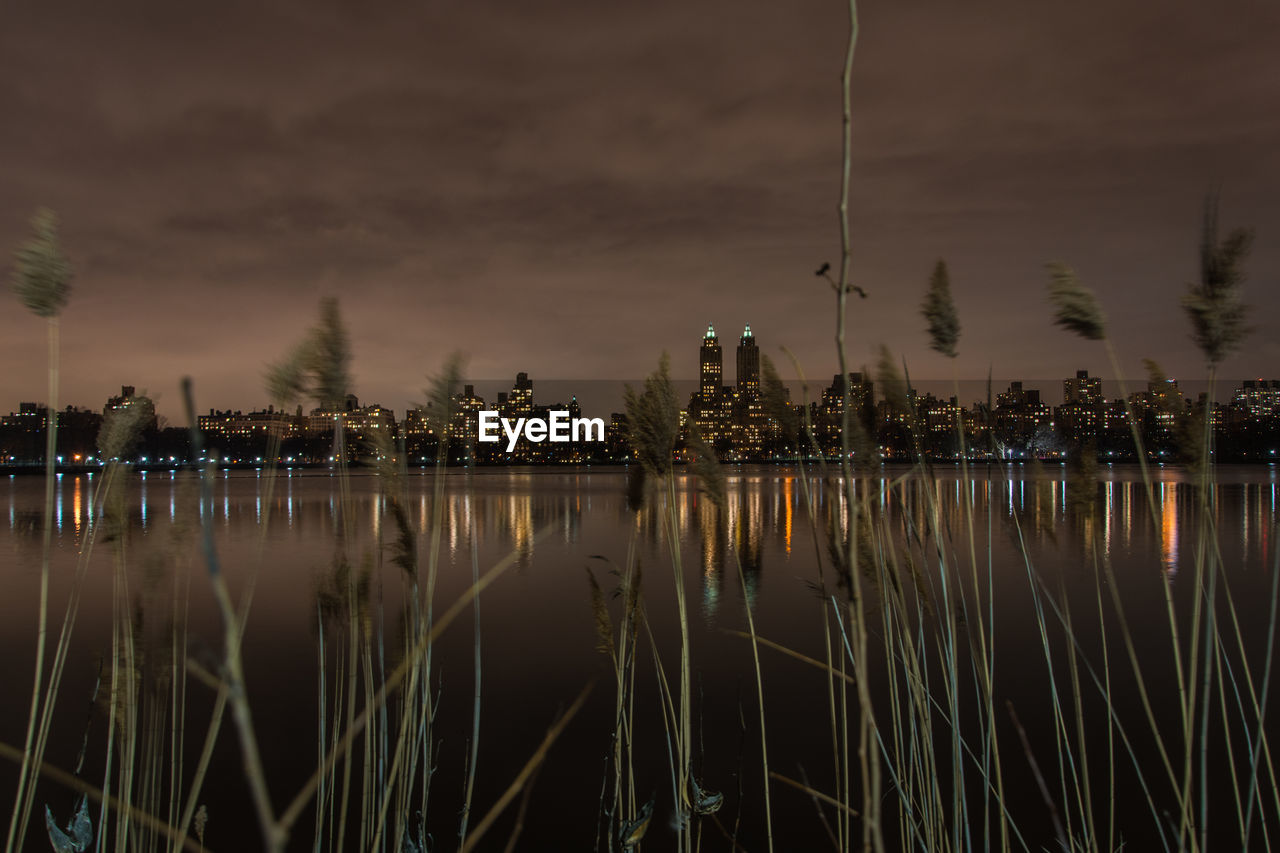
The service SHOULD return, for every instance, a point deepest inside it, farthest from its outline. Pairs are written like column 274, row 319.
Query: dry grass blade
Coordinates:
column 41, row 279
column 527, row 771
column 393, row 680
column 764, row 741
column 818, row 795
column 803, row 658
column 272, row 834
column 1040, row 780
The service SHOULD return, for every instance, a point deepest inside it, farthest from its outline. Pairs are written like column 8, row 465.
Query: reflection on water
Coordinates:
column 761, row 548
column 1169, row 527
column 765, row 516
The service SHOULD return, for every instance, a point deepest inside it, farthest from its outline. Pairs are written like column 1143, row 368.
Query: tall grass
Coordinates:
column 926, row 745
column 41, row 280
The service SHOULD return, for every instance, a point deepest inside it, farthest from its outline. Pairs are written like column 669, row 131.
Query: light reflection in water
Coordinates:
column 756, row 528
column 1244, row 522
column 786, row 498
column 1109, row 509
column 1127, row 527
column 1169, row 527
column 712, row 543
column 76, row 506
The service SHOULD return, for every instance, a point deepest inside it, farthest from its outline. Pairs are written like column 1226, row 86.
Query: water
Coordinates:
column 538, row 636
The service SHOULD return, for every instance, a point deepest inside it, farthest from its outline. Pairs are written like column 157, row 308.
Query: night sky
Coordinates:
column 569, row 188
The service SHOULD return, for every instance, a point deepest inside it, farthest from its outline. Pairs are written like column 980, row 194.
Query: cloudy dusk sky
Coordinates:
column 569, row 188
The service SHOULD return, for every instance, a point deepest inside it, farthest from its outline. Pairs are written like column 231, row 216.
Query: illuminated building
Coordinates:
column 711, row 407
column 827, row 417
column 130, row 399
column 1019, row 415
column 1258, row 397
column 710, row 367
column 1081, row 415
column 748, row 364
column 250, row 425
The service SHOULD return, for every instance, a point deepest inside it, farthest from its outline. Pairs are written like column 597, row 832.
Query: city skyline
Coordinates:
column 971, row 390
column 709, row 388
column 548, row 187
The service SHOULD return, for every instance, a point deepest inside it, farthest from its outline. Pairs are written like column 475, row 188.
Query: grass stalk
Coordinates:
column 474, row 751
column 764, row 740
column 25, row 794
column 527, row 772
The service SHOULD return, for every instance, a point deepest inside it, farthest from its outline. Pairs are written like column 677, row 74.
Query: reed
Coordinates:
column 41, row 280
column 924, row 743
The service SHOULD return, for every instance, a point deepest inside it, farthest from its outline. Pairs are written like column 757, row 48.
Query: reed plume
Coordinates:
column 319, row 367
column 1213, row 306
column 441, row 390
column 653, row 420
column 42, row 281
column 42, row 273
column 939, row 311
column 1076, row 309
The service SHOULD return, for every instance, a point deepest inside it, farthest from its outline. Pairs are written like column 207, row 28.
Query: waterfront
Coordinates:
column 538, row 637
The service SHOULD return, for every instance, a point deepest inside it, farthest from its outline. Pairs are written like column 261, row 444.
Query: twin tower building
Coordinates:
column 723, row 416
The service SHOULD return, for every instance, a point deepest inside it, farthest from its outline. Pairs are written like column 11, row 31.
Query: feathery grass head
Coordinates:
column 440, row 391
column 41, row 272
column 891, row 381
column 600, row 612
column 330, row 357
column 318, row 367
column 1155, row 373
column 939, row 312
column 653, row 420
column 120, row 430
column 1157, row 378
column 706, row 467
column 201, row 821
column 403, row 545
column 1075, row 307
column 1213, row 306
column 777, row 402
column 286, row 381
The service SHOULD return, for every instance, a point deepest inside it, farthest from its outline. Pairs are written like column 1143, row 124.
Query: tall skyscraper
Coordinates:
column 711, row 366
column 748, row 364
